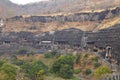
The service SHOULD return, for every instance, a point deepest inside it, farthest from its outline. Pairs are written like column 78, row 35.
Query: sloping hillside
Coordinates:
column 8, row 9
column 57, row 6
column 87, row 21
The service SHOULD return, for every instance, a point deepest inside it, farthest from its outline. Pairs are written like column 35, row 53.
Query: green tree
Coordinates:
column 1, row 63
column 48, row 55
column 97, row 64
column 77, row 71
column 66, row 71
column 40, row 74
column 101, row 71
column 54, row 53
column 30, row 53
column 9, row 71
column 13, row 57
column 32, row 68
column 18, row 62
column 22, row 50
column 95, row 58
column 87, row 71
column 77, row 61
column 63, row 66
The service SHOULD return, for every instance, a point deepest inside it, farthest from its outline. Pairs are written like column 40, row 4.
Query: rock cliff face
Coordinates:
column 75, row 17
column 87, row 21
column 109, row 36
column 105, row 37
column 71, row 37
column 101, row 39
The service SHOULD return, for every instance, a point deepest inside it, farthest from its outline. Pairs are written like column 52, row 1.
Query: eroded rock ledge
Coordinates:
column 76, row 17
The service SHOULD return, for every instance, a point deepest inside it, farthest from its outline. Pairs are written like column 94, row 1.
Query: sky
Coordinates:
column 25, row 1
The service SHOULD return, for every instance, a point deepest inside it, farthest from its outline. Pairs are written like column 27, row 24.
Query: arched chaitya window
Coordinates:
column 108, row 51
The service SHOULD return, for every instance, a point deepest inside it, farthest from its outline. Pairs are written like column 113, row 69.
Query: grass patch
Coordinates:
column 53, row 77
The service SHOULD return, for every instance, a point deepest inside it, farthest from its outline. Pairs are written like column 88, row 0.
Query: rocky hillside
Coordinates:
column 60, row 6
column 87, row 15
column 8, row 9
column 86, row 21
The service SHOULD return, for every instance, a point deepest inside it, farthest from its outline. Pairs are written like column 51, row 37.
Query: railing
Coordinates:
column 114, row 76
